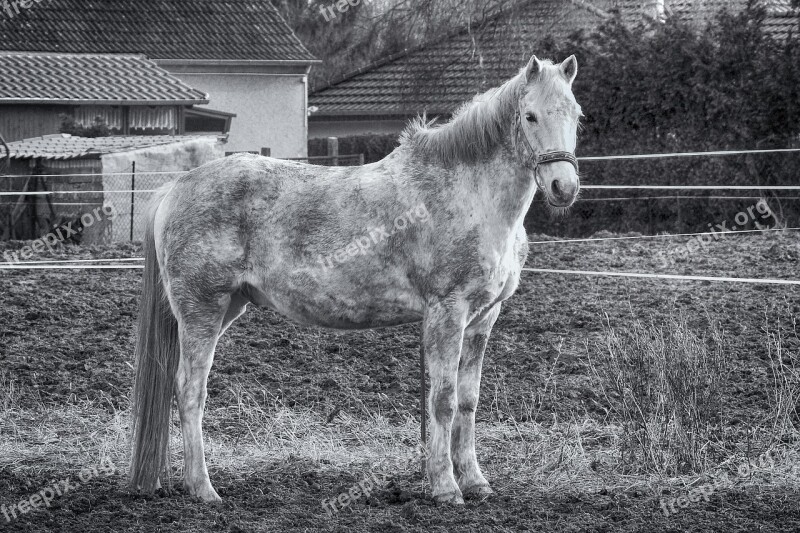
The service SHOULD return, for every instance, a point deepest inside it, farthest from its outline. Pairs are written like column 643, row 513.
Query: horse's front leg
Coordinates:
column 465, row 463
column 442, row 335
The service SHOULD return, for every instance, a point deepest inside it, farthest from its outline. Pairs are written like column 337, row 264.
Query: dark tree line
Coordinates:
column 675, row 88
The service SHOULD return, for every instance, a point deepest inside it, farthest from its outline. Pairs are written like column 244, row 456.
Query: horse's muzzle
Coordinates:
column 562, row 193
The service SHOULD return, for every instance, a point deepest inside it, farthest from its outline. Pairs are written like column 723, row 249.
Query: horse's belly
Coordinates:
column 350, row 307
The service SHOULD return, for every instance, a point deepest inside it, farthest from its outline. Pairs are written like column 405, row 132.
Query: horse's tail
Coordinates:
column 157, row 356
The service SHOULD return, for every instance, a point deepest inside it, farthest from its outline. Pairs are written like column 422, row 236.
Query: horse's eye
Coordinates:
column 530, row 117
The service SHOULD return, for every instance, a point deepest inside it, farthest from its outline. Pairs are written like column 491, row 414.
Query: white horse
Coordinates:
column 432, row 233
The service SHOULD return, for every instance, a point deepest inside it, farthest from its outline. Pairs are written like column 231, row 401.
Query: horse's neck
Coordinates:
column 509, row 187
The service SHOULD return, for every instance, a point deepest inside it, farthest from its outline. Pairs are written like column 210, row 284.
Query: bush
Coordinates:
column 672, row 88
column 98, row 129
column 663, row 384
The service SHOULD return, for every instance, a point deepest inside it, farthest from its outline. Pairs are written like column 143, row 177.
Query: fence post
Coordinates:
column 333, row 150
column 361, row 159
column 133, row 194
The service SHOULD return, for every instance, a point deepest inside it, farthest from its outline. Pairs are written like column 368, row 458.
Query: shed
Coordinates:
column 62, row 178
column 129, row 94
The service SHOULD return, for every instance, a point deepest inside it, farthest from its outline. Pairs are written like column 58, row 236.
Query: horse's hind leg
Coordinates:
column 199, row 328
column 465, row 462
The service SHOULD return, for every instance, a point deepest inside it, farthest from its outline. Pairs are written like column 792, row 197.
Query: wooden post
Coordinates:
column 333, row 150
column 133, row 194
column 361, row 159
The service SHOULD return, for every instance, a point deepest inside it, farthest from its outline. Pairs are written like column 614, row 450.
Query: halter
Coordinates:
column 535, row 161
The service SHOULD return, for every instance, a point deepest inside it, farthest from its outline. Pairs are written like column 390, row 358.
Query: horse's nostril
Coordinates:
column 556, row 188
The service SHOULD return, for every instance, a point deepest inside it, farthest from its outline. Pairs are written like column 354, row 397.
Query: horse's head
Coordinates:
column 546, row 128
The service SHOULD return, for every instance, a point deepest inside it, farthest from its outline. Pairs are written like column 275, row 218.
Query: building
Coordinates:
column 128, row 94
column 240, row 53
column 437, row 77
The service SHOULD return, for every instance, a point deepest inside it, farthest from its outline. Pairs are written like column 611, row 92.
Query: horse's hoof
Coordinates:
column 209, row 496
column 450, row 498
column 477, row 492
column 206, row 494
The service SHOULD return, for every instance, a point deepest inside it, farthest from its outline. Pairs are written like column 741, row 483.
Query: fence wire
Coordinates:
column 98, row 208
column 33, row 205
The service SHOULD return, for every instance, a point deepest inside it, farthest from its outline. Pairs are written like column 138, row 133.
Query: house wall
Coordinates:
column 344, row 128
column 269, row 102
column 154, row 167
column 19, row 122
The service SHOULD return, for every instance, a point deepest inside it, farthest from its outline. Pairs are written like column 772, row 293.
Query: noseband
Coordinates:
column 534, row 160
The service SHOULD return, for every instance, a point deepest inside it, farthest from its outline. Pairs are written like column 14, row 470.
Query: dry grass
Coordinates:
column 662, row 384
column 784, row 355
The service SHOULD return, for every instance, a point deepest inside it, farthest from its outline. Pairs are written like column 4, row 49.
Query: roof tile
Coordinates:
column 106, row 79
column 160, row 29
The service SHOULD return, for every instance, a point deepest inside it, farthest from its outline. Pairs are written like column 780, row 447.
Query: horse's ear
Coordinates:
column 569, row 68
column 533, row 69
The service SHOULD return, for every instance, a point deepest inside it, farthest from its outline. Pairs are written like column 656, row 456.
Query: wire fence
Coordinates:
column 104, row 207
column 101, row 208
column 31, row 206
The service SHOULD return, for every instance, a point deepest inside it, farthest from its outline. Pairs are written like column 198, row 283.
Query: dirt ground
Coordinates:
column 66, row 341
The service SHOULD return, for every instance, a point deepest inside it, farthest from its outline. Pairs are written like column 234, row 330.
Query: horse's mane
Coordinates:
column 477, row 128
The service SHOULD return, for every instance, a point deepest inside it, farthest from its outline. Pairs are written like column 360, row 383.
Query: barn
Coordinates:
column 242, row 54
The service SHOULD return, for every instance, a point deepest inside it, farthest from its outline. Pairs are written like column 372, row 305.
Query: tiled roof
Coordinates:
column 440, row 76
column 781, row 18
column 83, row 78
column 64, row 146
column 159, row 29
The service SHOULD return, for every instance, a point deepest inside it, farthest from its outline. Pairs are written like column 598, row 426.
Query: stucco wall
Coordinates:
column 270, row 109
column 154, row 167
